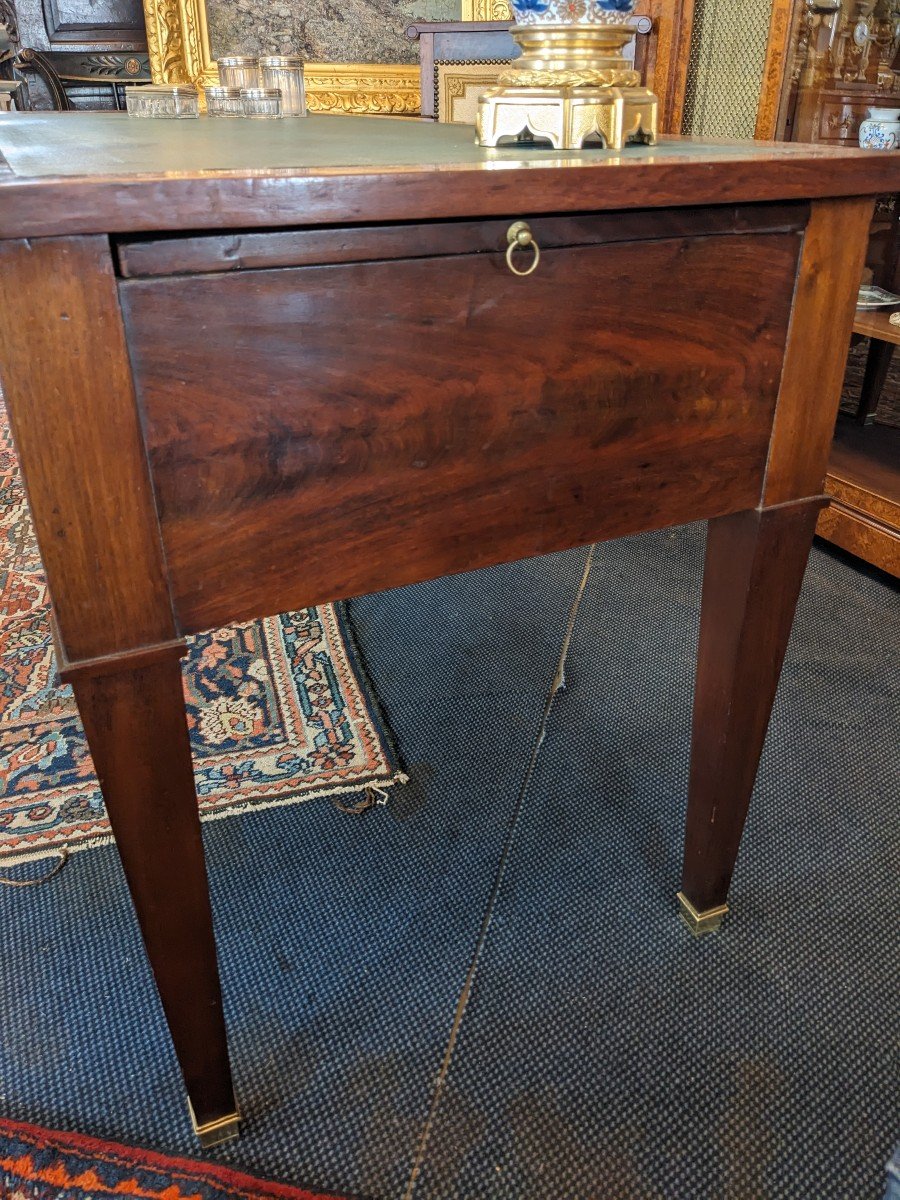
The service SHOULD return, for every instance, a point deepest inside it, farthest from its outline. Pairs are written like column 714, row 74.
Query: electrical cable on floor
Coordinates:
column 5, row 881
column 557, row 684
column 371, row 796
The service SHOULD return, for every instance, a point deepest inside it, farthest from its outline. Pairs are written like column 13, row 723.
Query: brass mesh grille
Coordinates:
column 728, row 51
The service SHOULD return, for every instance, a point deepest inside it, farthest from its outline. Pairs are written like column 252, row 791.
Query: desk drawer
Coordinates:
column 323, row 431
column 145, row 256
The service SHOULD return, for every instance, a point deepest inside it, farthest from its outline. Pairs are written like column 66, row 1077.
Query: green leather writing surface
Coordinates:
column 73, row 144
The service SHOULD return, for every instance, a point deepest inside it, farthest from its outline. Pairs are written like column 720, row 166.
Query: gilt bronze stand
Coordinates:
column 571, row 85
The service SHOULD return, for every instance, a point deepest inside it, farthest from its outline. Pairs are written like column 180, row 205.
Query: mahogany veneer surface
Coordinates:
column 439, row 414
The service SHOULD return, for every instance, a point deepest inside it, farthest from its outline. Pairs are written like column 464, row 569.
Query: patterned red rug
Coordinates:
column 277, row 709
column 42, row 1164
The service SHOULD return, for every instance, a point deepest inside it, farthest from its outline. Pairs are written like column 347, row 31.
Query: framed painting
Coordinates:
column 184, row 38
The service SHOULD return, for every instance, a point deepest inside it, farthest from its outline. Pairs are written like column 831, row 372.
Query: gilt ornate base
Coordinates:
column 567, row 117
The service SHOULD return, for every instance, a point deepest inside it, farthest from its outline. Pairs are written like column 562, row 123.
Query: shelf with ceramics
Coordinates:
column 845, row 64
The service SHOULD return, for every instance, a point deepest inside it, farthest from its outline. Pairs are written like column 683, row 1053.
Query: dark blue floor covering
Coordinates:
column 602, row 1052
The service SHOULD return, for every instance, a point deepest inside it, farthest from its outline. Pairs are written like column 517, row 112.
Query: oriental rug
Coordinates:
column 43, row 1164
column 278, row 709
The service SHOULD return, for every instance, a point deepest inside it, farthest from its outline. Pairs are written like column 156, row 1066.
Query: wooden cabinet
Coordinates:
column 827, row 65
column 832, row 116
column 831, row 62
column 80, row 53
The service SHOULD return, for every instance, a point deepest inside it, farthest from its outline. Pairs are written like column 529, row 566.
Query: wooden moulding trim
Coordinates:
column 121, row 204
column 776, row 66
column 670, row 52
column 866, row 500
column 822, row 500
column 862, row 534
column 127, row 660
column 363, row 88
column 148, row 257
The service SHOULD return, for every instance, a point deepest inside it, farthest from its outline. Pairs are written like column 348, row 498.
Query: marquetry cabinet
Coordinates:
column 827, row 66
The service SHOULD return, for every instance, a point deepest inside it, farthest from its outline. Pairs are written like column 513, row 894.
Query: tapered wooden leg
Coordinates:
column 137, row 733
column 116, row 638
column 754, row 568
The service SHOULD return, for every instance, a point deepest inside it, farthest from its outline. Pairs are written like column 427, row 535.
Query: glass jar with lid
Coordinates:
column 238, row 72
column 159, row 100
column 224, row 102
column 261, row 102
column 286, row 73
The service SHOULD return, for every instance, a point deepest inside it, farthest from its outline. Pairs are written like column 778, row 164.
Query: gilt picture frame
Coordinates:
column 178, row 44
column 486, row 10
column 457, row 86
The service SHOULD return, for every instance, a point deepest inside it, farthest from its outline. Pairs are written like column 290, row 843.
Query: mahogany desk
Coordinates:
column 252, row 367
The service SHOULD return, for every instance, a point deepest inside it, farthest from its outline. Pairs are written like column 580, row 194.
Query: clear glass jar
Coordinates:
column 285, row 72
column 238, row 72
column 159, row 100
column 224, row 102
column 261, row 102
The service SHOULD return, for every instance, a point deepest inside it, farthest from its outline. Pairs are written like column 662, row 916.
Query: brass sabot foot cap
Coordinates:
column 212, row 1133
column 700, row 923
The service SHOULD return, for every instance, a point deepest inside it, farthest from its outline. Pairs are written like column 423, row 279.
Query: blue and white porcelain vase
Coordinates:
column 880, row 130
column 572, row 12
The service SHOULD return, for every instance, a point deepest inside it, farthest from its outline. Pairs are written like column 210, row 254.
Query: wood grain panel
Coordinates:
column 67, row 382
column 864, row 482
column 668, row 66
column 834, row 247
column 861, row 533
column 328, row 431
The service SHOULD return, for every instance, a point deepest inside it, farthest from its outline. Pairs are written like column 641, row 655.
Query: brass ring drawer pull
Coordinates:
column 520, row 237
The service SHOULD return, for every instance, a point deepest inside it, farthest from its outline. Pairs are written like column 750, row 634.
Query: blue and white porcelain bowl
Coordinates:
column 572, row 12
column 881, row 129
